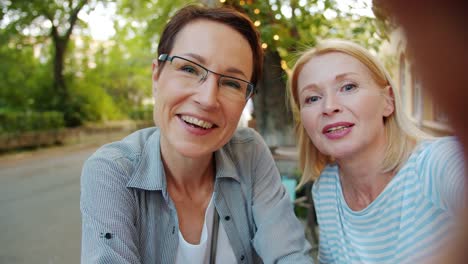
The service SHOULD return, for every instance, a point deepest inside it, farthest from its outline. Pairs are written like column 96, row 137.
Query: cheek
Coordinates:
column 367, row 107
column 310, row 121
column 233, row 111
column 374, row 110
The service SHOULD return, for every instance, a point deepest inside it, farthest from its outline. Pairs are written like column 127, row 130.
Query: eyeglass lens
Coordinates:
column 195, row 74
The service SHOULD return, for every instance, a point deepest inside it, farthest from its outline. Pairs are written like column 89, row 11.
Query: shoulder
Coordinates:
column 244, row 154
column 121, row 156
column 437, row 160
column 245, row 135
column 245, row 141
column 443, row 148
column 129, row 147
column 326, row 182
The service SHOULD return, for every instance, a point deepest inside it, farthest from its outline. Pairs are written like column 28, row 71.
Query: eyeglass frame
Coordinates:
column 165, row 57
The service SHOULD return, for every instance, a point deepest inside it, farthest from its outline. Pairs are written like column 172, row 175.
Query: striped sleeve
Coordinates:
column 271, row 206
column 441, row 168
column 109, row 234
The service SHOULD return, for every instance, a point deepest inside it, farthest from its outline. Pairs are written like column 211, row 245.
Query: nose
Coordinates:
column 207, row 94
column 331, row 105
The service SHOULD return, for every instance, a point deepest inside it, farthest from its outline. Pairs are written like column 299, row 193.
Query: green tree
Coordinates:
column 124, row 64
column 23, row 77
column 109, row 82
column 53, row 21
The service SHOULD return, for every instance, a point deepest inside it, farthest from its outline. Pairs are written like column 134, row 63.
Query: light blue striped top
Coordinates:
column 406, row 223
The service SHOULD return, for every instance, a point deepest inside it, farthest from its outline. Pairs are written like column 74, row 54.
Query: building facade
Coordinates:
column 420, row 106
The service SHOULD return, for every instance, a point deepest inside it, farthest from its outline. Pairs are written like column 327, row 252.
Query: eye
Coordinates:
column 190, row 69
column 348, row 87
column 186, row 67
column 311, row 99
column 231, row 83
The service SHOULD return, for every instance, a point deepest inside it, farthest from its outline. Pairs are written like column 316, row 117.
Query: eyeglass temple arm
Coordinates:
column 164, row 57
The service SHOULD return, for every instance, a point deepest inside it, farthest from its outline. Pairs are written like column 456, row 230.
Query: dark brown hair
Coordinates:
column 227, row 16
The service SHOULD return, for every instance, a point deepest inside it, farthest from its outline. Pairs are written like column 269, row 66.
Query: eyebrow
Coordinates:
column 202, row 61
column 338, row 77
column 344, row 75
column 311, row 86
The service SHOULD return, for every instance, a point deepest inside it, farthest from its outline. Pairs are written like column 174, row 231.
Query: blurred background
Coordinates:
column 76, row 74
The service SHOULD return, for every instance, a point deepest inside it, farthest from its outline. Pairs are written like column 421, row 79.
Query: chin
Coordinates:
column 341, row 152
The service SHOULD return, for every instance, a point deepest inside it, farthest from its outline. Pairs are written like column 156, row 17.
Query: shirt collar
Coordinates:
column 149, row 174
column 225, row 166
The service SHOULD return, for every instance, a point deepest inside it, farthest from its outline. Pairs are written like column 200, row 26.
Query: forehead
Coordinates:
column 331, row 64
column 218, row 44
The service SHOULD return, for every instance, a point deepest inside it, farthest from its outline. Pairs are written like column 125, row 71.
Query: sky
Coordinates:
column 100, row 21
column 101, row 25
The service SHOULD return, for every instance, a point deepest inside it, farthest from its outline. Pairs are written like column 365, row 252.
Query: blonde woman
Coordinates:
column 384, row 191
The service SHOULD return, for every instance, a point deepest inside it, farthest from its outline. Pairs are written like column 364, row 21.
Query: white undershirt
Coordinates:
column 189, row 253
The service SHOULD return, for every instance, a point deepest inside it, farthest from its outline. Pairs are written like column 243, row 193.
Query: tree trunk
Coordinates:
column 59, row 80
column 63, row 102
column 274, row 120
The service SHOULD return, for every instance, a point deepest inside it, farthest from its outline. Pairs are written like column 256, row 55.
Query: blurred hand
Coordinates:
column 437, row 36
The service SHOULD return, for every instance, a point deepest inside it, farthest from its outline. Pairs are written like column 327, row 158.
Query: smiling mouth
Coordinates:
column 195, row 122
column 337, row 129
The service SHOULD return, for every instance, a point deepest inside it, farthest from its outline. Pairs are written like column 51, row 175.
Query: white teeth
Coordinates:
column 336, row 129
column 196, row 121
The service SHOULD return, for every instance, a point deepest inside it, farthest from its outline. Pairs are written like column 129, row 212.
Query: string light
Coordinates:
column 257, row 11
column 264, row 46
column 257, row 23
column 222, row 1
column 276, row 37
column 242, row 2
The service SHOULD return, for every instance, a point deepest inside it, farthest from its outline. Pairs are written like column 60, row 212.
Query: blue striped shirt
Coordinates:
column 129, row 217
column 406, row 223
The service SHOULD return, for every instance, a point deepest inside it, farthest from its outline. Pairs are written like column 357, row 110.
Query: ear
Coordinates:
column 389, row 101
column 154, row 76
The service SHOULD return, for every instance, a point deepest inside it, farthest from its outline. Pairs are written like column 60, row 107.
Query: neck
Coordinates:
column 362, row 178
column 188, row 176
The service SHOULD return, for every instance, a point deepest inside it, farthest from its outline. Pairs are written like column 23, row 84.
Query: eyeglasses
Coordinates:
column 194, row 74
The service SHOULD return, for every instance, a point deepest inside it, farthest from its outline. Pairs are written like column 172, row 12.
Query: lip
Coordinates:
column 337, row 134
column 196, row 130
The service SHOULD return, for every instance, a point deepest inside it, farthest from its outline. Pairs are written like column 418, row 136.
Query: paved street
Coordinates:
column 39, row 206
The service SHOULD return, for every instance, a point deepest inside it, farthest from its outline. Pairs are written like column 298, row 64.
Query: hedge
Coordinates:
column 18, row 122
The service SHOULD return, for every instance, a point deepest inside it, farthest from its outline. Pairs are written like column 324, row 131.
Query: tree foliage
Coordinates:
column 53, row 21
column 294, row 25
column 49, row 61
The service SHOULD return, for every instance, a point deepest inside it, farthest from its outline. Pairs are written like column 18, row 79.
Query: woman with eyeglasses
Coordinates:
column 193, row 189
column 384, row 192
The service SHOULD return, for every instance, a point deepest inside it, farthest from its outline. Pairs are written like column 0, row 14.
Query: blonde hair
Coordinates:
column 402, row 134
